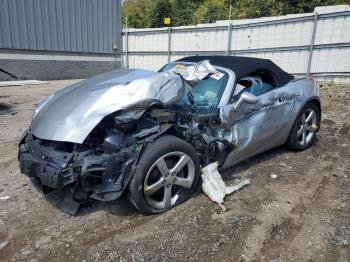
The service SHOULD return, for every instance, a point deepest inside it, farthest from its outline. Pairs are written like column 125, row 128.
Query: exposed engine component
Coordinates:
column 115, row 140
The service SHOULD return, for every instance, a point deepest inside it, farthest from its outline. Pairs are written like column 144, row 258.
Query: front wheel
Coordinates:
column 305, row 128
column 167, row 174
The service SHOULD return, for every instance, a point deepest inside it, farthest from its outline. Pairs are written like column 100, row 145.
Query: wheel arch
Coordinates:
column 166, row 129
column 317, row 102
column 314, row 99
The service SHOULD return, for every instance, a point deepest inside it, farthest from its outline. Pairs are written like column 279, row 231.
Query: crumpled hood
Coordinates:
column 73, row 112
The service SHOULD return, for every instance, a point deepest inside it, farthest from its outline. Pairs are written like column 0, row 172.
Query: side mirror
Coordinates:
column 245, row 98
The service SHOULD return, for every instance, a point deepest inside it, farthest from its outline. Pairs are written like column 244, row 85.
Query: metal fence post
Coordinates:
column 229, row 36
column 312, row 42
column 169, row 44
column 126, row 43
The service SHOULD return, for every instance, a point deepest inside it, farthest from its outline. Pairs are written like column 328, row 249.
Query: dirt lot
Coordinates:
column 302, row 215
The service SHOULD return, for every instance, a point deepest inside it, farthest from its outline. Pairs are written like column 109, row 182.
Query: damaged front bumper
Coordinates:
column 50, row 166
column 84, row 172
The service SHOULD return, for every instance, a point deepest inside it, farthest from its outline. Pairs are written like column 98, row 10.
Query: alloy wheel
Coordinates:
column 308, row 127
column 167, row 178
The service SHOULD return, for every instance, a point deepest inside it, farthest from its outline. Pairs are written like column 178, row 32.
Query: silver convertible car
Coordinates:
column 148, row 134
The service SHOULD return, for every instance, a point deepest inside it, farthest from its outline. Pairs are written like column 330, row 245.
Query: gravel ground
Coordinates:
column 301, row 215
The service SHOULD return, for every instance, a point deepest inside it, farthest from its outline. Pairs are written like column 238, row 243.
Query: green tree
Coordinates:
column 303, row 6
column 261, row 8
column 155, row 12
column 182, row 12
column 150, row 13
column 134, row 10
column 211, row 11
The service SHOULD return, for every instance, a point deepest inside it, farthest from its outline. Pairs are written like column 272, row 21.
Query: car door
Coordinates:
column 261, row 126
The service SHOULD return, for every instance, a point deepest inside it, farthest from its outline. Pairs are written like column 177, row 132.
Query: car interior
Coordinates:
column 209, row 91
column 258, row 83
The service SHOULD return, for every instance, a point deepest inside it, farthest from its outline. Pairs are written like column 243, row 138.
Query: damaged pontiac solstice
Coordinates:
column 149, row 134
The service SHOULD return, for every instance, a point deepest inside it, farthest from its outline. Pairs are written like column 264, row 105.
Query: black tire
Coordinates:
column 153, row 152
column 293, row 141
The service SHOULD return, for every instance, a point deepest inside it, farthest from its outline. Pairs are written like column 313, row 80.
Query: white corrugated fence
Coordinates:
column 313, row 43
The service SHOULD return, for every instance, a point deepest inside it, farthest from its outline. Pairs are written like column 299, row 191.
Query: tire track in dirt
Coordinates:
column 300, row 225
column 277, row 213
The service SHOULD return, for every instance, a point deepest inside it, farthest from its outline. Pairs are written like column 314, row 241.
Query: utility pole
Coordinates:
column 126, row 43
column 229, row 31
column 312, row 43
column 167, row 22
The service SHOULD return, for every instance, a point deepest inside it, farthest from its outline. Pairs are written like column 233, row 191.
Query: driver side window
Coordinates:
column 257, row 84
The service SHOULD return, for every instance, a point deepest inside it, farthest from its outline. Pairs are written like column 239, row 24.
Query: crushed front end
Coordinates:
column 102, row 166
column 89, row 150
column 73, row 173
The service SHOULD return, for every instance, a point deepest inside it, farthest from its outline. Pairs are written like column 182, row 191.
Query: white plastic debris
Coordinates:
column 22, row 82
column 4, row 197
column 213, row 185
column 273, row 176
column 283, row 164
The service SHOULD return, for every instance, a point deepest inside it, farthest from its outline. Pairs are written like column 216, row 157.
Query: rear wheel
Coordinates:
column 305, row 128
column 167, row 174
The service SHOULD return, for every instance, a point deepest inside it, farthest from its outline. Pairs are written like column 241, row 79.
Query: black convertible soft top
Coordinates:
column 245, row 66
